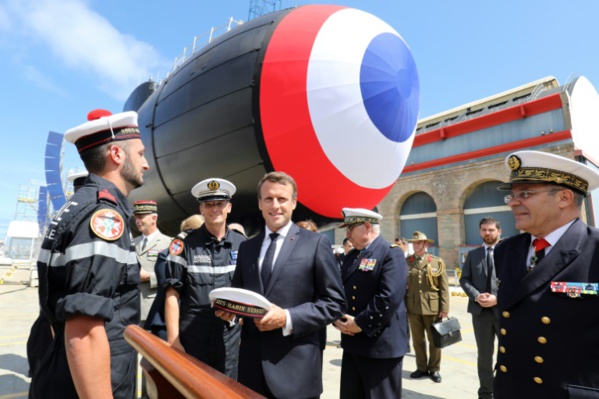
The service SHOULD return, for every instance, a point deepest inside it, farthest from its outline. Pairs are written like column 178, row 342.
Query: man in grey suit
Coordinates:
column 147, row 246
column 479, row 282
column 280, row 354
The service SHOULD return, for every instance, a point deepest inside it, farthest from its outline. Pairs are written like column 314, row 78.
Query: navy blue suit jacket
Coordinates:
column 548, row 346
column 155, row 320
column 376, row 299
column 305, row 281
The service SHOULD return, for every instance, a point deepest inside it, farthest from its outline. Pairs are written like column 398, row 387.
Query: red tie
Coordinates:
column 540, row 244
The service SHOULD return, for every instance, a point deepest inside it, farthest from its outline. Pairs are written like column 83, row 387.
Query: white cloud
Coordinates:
column 87, row 42
column 33, row 74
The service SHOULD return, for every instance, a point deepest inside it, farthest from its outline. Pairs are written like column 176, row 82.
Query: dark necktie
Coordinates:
column 540, row 244
column 144, row 243
column 490, row 268
column 269, row 257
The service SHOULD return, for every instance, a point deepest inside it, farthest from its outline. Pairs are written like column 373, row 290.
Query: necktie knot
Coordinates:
column 273, row 236
column 540, row 244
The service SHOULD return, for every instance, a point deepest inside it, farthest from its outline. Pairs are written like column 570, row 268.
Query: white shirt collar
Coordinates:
column 553, row 237
column 283, row 231
column 153, row 235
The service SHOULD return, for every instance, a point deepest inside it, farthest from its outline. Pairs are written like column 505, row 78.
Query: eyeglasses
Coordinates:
column 353, row 226
column 522, row 195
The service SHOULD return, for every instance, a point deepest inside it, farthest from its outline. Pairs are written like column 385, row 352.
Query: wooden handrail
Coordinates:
column 167, row 368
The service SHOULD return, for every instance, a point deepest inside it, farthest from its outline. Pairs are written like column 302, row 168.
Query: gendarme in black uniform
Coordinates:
column 87, row 266
column 198, row 263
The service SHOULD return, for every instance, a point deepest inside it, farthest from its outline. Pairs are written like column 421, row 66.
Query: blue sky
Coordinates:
column 59, row 59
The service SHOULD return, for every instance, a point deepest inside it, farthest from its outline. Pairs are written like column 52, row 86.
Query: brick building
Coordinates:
column 457, row 160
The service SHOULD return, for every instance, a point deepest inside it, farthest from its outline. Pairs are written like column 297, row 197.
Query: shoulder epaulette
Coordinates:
column 105, row 195
column 182, row 235
column 395, row 246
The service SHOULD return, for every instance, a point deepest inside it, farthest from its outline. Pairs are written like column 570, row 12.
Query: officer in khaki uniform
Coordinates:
column 147, row 247
column 427, row 299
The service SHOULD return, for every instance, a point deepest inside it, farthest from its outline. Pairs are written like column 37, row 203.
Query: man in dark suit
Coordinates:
column 479, row 282
column 548, row 346
column 280, row 354
column 374, row 336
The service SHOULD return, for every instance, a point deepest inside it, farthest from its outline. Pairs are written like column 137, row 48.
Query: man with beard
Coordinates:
column 198, row 262
column 479, row 282
column 88, row 270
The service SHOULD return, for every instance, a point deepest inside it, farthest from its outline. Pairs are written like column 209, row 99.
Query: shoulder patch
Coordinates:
column 107, row 224
column 176, row 247
column 104, row 194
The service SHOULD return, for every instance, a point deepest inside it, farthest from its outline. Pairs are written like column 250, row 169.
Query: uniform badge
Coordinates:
column 176, row 247
column 575, row 289
column 233, row 257
column 213, row 185
column 107, row 224
column 202, row 260
column 514, row 162
column 153, row 254
column 367, row 265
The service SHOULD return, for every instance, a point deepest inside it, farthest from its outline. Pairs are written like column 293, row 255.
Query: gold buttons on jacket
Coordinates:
column 506, row 314
column 539, row 359
column 353, row 308
column 538, row 380
column 353, row 297
column 355, row 288
column 503, row 331
column 542, row 340
column 503, row 368
column 502, row 349
column 545, row 320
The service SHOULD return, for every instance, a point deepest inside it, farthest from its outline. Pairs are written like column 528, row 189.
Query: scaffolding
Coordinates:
column 28, row 201
column 263, row 7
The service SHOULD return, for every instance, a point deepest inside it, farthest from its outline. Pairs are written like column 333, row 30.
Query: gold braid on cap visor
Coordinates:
column 528, row 174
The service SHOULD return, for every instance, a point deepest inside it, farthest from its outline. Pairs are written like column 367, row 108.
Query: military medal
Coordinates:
column 575, row 289
column 367, row 265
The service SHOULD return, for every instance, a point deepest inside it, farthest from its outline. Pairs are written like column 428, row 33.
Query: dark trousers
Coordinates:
column 486, row 328
column 369, row 378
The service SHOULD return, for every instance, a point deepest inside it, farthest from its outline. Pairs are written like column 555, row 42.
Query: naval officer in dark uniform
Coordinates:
column 374, row 330
column 548, row 346
column 88, row 270
column 198, row 262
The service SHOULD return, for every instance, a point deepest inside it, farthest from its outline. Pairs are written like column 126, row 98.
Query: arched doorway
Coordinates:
column 419, row 213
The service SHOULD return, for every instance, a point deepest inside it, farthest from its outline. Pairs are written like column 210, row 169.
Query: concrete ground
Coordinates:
column 18, row 310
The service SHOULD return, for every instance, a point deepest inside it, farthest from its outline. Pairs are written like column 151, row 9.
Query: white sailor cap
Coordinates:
column 77, row 178
column 213, row 189
column 102, row 128
column 239, row 301
column 359, row 215
column 544, row 168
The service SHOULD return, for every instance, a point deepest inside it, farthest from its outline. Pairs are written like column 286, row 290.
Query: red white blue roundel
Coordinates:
column 339, row 99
